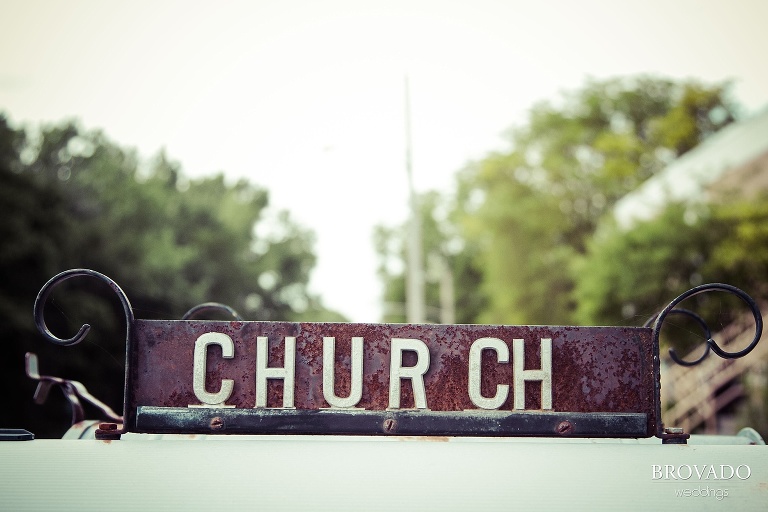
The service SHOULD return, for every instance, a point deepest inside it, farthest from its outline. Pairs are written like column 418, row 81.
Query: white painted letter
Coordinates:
column 656, row 471
column 199, row 367
column 356, row 385
column 544, row 374
column 475, row 359
column 287, row 372
column 415, row 373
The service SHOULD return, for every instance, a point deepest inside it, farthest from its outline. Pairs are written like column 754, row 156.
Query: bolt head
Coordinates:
column 389, row 425
column 564, row 428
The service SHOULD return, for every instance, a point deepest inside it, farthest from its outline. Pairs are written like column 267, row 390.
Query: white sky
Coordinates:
column 305, row 98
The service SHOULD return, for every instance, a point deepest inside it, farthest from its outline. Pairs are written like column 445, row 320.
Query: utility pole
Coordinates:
column 447, row 305
column 414, row 296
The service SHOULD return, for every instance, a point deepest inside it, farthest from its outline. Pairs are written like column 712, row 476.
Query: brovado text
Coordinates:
column 700, row 472
column 397, row 372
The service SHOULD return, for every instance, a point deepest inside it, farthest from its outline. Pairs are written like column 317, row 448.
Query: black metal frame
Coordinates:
column 399, row 422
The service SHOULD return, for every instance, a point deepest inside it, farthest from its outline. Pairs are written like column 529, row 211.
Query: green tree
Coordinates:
column 33, row 236
column 532, row 210
column 627, row 274
column 76, row 199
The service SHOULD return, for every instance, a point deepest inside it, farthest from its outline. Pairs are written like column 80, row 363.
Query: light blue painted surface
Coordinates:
column 363, row 473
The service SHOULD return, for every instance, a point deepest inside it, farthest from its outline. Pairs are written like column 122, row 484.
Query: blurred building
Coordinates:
column 734, row 161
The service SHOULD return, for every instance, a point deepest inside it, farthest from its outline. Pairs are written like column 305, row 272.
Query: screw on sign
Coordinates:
column 564, row 428
column 389, row 425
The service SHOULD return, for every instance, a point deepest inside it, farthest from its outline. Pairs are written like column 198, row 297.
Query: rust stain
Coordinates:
column 606, row 369
column 432, row 439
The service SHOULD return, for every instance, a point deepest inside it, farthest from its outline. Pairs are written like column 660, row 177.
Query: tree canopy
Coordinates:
column 534, row 208
column 521, row 220
column 75, row 199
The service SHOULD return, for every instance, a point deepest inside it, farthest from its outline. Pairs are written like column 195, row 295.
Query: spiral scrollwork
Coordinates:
column 39, row 312
column 711, row 345
column 47, row 289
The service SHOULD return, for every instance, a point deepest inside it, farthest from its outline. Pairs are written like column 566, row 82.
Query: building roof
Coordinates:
column 689, row 177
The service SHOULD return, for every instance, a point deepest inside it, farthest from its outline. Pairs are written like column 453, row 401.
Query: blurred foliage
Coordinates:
column 626, row 273
column 74, row 199
column 520, row 221
column 530, row 231
column 446, row 254
column 534, row 209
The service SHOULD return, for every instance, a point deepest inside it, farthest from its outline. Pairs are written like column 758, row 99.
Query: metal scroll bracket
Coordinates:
column 39, row 312
column 673, row 435
column 208, row 307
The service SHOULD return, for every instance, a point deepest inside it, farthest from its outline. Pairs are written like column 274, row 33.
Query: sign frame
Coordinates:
column 591, row 381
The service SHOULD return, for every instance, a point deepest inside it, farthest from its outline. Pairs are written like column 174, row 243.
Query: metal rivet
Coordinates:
column 389, row 425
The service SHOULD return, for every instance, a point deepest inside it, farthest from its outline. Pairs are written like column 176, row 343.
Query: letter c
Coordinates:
column 199, row 367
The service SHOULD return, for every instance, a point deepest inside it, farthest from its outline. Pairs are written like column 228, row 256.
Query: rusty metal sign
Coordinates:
column 239, row 377
column 254, row 377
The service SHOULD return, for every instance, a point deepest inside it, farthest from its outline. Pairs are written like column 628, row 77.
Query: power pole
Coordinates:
column 414, row 296
column 447, row 305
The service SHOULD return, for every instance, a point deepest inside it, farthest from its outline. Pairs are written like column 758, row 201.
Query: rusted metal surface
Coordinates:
column 594, row 370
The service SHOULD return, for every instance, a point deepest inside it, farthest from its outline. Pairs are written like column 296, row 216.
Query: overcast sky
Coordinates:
column 305, row 98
